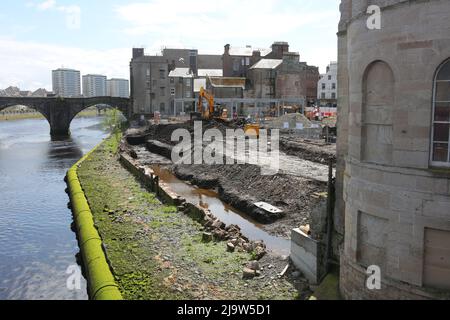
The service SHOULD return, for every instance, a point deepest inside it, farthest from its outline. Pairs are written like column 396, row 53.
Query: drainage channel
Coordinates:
column 209, row 199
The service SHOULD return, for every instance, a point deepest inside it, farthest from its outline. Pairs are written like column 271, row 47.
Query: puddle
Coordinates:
column 209, row 199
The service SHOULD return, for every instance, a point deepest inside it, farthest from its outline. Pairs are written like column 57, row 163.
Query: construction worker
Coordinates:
column 317, row 113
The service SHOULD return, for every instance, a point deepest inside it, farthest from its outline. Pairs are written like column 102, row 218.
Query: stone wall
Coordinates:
column 393, row 205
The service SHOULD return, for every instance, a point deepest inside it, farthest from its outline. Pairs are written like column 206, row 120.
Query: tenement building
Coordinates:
column 327, row 87
column 393, row 179
column 152, row 89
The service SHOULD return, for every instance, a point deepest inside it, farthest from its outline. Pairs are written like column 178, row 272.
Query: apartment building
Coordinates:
column 66, row 83
column 118, row 88
column 94, row 85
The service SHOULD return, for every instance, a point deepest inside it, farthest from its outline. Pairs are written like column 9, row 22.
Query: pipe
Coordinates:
column 329, row 216
column 101, row 282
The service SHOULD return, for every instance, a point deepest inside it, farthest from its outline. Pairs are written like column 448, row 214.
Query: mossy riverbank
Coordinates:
column 156, row 252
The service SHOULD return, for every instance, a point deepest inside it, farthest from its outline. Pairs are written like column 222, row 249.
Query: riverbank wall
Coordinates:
column 101, row 282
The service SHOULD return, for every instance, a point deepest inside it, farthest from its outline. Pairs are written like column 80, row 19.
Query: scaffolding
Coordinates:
column 257, row 104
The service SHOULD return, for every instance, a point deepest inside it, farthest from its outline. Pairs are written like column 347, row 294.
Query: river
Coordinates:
column 37, row 245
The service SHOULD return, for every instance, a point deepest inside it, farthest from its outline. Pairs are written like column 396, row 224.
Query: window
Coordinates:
column 441, row 119
column 188, row 83
column 236, row 66
column 162, row 74
column 323, row 86
column 162, row 107
column 247, row 61
column 172, row 80
column 172, row 91
column 163, row 91
column 329, row 77
column 333, row 86
column 188, row 94
column 333, row 95
column 323, row 95
column 155, row 83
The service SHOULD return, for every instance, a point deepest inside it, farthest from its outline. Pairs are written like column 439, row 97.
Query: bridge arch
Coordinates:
column 60, row 112
column 42, row 111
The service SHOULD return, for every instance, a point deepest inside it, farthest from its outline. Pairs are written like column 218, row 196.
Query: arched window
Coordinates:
column 441, row 117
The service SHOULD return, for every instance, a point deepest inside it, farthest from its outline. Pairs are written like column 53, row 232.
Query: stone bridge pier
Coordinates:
column 60, row 112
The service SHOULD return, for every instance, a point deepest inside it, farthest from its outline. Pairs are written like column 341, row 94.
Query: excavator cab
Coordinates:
column 205, row 106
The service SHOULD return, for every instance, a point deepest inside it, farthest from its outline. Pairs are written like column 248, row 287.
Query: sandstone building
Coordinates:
column 393, row 148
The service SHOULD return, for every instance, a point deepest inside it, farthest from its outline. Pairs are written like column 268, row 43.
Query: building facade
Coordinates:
column 149, row 83
column 327, row 86
column 118, row 88
column 393, row 177
column 66, row 83
column 151, row 87
column 283, row 78
column 181, row 87
column 94, row 85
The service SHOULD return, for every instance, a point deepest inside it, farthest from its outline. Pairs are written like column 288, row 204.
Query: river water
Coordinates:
column 37, row 245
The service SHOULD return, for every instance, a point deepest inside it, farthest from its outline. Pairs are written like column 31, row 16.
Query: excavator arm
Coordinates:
column 208, row 113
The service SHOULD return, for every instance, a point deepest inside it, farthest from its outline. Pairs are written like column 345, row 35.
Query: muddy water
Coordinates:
column 209, row 199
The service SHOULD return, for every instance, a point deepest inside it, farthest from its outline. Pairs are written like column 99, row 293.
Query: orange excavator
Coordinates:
column 206, row 108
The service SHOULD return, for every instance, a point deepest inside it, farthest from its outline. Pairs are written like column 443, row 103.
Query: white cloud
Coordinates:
column 208, row 26
column 46, row 5
column 29, row 64
column 72, row 12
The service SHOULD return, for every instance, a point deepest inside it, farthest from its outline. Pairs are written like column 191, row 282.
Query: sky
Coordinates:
column 97, row 36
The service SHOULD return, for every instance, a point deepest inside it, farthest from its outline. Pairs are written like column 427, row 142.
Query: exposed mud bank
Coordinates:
column 241, row 186
column 312, row 150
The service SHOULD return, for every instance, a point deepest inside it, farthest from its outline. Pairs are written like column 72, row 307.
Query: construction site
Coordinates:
column 241, row 206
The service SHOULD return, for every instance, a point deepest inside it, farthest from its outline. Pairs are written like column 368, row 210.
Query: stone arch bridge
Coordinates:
column 60, row 112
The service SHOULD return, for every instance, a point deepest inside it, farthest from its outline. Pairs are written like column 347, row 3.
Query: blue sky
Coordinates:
column 97, row 36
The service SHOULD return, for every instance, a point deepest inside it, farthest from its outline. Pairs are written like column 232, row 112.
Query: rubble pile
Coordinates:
column 294, row 120
column 216, row 230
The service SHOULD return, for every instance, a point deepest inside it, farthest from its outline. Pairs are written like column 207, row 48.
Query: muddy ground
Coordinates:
column 243, row 185
column 312, row 150
column 240, row 186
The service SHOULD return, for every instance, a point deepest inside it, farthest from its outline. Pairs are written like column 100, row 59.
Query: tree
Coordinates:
column 114, row 122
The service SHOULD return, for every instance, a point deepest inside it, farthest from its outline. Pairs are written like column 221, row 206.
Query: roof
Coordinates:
column 267, row 64
column 181, row 73
column 210, row 72
column 248, row 51
column 227, row 82
column 198, row 84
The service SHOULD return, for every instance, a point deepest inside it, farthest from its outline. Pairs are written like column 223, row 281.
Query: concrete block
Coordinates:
column 305, row 255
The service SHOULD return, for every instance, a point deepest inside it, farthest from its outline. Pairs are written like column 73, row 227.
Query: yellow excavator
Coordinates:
column 207, row 110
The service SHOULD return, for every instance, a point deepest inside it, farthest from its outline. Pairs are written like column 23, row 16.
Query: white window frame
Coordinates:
column 172, row 91
column 433, row 122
